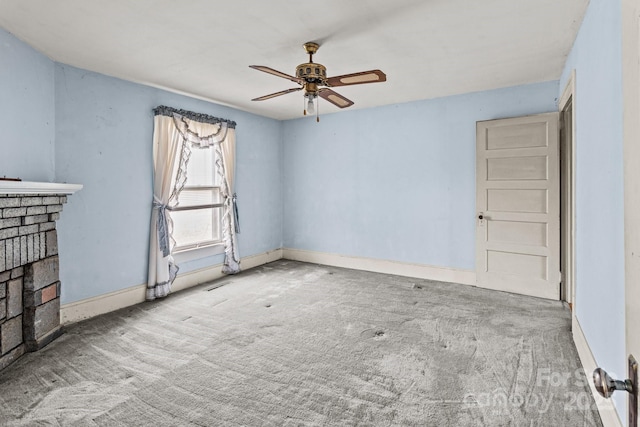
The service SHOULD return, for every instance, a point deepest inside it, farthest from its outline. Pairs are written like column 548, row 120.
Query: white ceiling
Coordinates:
column 427, row 48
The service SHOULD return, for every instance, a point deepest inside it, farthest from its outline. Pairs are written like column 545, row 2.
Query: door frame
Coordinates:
column 568, row 196
column 631, row 146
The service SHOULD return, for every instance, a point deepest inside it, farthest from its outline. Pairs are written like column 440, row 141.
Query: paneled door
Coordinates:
column 518, row 205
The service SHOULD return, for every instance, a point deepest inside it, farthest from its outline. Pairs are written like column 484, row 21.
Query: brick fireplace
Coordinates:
column 29, row 266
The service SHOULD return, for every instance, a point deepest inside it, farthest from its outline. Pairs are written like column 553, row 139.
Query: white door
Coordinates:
column 518, row 209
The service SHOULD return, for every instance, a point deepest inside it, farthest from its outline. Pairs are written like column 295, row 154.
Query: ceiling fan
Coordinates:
column 312, row 77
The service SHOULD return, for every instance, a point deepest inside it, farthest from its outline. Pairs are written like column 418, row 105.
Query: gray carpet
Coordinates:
column 295, row 344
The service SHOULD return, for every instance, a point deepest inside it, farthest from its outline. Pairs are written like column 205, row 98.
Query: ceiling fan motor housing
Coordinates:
column 311, row 72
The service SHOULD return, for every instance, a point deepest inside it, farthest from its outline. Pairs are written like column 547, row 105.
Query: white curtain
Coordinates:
column 230, row 226
column 174, row 133
column 167, row 146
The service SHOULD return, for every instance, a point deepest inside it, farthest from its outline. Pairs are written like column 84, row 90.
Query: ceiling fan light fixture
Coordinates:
column 310, row 104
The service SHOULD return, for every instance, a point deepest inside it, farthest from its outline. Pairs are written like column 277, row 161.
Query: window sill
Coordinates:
column 198, row 253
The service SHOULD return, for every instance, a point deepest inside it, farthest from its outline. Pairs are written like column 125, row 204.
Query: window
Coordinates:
column 197, row 215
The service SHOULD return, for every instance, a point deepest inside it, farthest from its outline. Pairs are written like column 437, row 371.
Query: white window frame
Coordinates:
column 198, row 253
column 203, row 248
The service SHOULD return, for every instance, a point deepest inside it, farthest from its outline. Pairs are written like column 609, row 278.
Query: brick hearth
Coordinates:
column 29, row 279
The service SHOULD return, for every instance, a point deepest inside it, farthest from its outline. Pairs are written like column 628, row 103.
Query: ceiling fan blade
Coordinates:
column 335, row 98
column 373, row 76
column 273, row 95
column 276, row 73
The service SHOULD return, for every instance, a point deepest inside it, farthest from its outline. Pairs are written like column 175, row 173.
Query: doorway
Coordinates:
column 567, row 194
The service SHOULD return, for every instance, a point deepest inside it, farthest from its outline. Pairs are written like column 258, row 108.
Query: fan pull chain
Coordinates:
column 317, row 109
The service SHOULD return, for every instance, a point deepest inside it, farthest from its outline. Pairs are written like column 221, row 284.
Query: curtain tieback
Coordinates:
column 235, row 212
column 163, row 227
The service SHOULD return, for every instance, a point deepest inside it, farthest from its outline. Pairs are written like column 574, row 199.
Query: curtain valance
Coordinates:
column 163, row 110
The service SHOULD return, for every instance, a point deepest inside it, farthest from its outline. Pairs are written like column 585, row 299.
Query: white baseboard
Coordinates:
column 208, row 274
column 105, row 303
column 100, row 304
column 420, row 271
column 608, row 412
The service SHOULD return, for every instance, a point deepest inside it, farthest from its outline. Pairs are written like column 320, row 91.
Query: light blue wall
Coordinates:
column 104, row 129
column 600, row 306
column 26, row 111
column 395, row 182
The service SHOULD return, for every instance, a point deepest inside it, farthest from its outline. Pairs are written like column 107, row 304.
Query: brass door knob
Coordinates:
column 607, row 385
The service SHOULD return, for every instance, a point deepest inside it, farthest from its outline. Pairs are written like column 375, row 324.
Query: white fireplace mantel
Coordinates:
column 30, row 187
